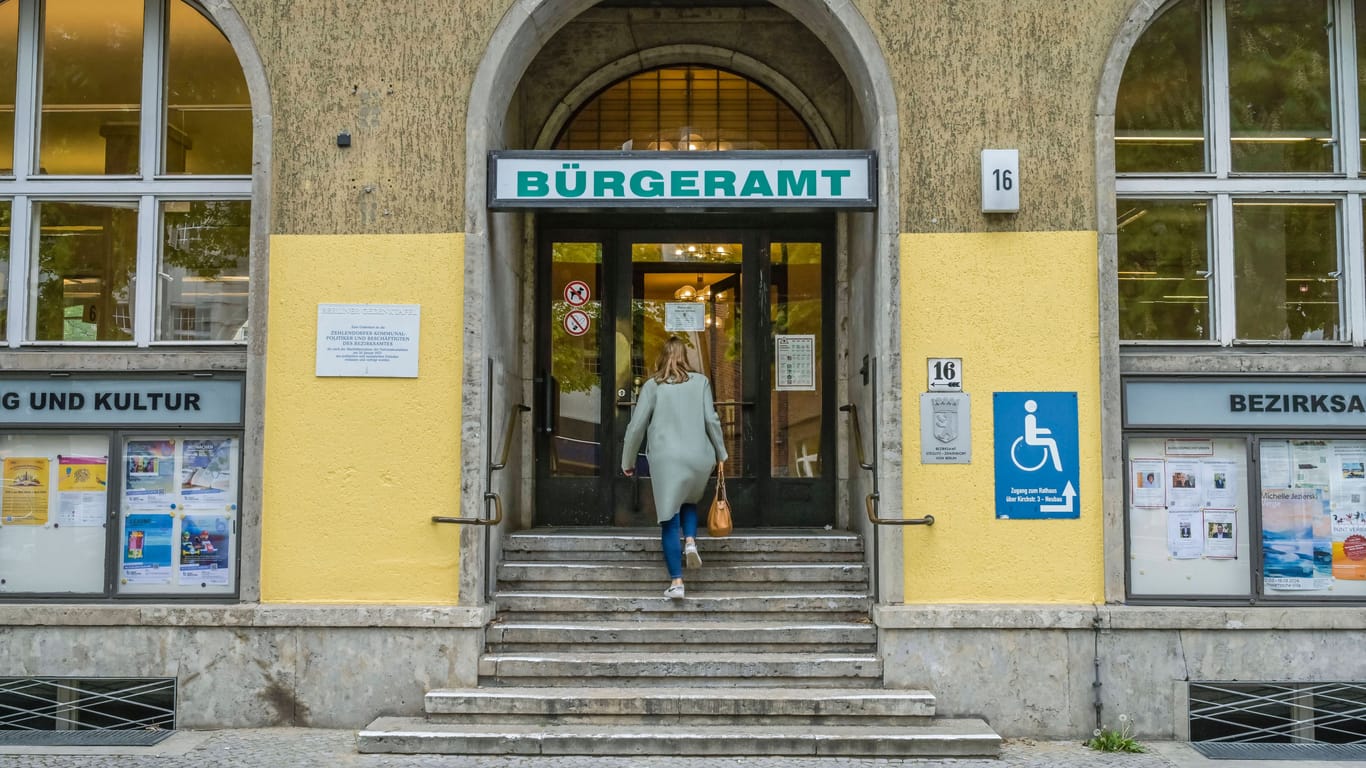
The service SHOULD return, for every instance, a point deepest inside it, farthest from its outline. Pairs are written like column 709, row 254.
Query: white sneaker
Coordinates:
column 675, row 591
column 691, row 557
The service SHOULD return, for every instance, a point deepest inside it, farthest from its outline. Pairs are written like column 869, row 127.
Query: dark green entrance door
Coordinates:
column 754, row 304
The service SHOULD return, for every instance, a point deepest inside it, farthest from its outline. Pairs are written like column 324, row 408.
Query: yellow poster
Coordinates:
column 24, row 498
column 80, row 473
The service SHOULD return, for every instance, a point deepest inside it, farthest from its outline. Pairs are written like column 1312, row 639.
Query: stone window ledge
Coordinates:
column 199, row 616
column 1063, row 617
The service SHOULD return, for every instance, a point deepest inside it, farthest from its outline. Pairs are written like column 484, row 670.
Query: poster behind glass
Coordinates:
column 1188, row 516
column 53, row 513
column 179, row 514
column 1313, row 517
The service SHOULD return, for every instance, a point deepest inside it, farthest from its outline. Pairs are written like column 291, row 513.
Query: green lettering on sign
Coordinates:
column 532, row 184
column 756, row 184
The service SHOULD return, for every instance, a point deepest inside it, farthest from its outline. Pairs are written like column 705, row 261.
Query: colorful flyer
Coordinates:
column 206, row 470
column 24, row 499
column 204, row 549
column 81, row 485
column 1185, row 538
column 150, row 472
column 1322, row 524
column 1221, row 534
column 147, row 549
column 1147, row 490
column 1288, row 517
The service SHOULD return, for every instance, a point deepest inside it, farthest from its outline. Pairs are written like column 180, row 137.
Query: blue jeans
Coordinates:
column 673, row 543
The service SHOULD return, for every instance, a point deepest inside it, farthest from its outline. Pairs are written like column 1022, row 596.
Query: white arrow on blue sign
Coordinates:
column 1037, row 472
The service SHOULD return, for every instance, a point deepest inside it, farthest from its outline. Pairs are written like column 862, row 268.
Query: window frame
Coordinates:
column 1220, row 183
column 150, row 187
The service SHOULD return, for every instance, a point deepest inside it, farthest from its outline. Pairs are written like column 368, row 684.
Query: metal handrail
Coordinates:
column 490, row 467
column 870, row 502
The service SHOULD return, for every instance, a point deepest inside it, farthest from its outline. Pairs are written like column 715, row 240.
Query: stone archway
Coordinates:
column 1112, row 471
column 665, row 56
column 494, row 264
column 230, row 23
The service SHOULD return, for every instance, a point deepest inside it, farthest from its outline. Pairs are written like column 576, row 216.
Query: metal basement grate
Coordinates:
column 1278, row 713
column 1339, row 753
column 87, row 704
column 82, row 738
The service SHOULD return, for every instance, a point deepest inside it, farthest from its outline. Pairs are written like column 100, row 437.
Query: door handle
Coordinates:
column 549, row 404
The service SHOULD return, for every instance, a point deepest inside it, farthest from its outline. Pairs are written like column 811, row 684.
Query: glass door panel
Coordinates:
column 750, row 304
column 576, row 391
column 572, row 457
column 693, row 291
column 795, row 309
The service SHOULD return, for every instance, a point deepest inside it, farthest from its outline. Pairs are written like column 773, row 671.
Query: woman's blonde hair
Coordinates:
column 672, row 365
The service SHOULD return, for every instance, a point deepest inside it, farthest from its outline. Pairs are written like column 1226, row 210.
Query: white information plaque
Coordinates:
column 685, row 316
column 377, row 340
column 794, row 362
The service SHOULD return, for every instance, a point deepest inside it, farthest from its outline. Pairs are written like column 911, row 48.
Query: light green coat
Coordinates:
column 685, row 440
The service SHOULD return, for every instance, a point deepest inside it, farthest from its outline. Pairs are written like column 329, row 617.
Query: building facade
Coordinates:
column 269, row 310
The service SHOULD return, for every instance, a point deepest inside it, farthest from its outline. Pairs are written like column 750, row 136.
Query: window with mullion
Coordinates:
column 132, row 119
column 1227, row 99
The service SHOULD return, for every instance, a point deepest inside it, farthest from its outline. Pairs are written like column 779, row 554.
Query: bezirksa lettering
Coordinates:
column 1287, row 403
column 572, row 182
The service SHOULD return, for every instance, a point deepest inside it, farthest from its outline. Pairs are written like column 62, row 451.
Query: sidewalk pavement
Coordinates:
column 312, row 748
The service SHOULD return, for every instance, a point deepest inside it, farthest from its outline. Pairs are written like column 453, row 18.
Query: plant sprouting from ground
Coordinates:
column 1105, row 739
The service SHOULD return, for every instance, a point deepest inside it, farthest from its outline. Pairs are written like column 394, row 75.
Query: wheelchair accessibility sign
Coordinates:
column 1037, row 473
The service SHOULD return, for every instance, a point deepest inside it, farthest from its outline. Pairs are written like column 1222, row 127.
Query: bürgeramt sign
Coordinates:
column 579, row 179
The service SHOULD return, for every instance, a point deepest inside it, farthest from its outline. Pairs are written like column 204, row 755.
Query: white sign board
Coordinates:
column 1000, row 180
column 377, row 340
column 685, row 317
column 946, row 374
column 794, row 362
column 827, row 178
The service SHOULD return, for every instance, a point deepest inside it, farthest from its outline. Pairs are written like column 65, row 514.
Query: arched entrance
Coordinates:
column 514, row 103
column 612, row 288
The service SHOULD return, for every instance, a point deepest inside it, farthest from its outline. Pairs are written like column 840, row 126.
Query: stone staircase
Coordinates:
column 771, row 653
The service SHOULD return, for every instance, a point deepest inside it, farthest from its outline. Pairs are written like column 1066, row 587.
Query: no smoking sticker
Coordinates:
column 576, row 322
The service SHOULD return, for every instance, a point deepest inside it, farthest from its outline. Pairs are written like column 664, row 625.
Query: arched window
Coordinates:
column 686, row 108
column 125, row 174
column 1238, row 133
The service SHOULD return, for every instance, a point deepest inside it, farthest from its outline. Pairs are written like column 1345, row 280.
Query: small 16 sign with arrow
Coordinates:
column 576, row 322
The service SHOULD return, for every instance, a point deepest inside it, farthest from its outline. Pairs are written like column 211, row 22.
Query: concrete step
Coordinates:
column 698, row 633
column 942, row 738
column 619, row 576
column 700, row 601
column 654, row 669
column 680, row 706
column 589, row 545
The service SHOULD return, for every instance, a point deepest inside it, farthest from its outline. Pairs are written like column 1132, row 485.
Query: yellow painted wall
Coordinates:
column 356, row 467
column 1020, row 308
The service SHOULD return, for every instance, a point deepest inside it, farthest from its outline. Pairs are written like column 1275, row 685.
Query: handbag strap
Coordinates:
column 721, row 481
